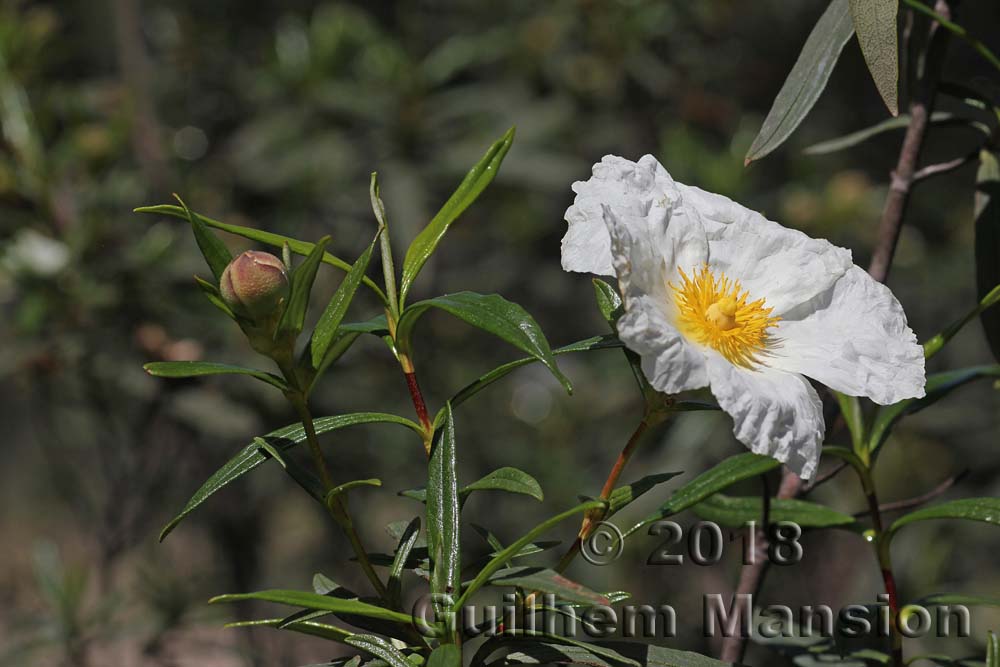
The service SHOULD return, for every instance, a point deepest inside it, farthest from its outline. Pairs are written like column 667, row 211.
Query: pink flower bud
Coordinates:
column 254, row 284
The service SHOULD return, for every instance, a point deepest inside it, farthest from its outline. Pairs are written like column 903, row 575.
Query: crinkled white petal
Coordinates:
column 642, row 190
column 669, row 361
column 774, row 413
column 783, row 266
column 853, row 338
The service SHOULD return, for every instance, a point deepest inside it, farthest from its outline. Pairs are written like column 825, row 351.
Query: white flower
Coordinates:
column 716, row 295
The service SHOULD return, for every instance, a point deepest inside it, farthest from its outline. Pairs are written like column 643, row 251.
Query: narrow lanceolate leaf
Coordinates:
column 211, row 292
column 807, row 79
column 959, row 598
column 325, row 332
column 992, row 650
column 294, row 317
column 446, row 655
column 734, row 512
column 623, row 496
column 725, row 474
column 987, row 212
column 190, row 369
column 282, row 440
column 507, row 479
column 308, row 600
column 986, row 510
column 889, row 124
column 468, row 190
column 547, row 581
column 938, row 386
column 875, row 24
column 491, row 313
column 212, row 248
column 611, row 307
column 380, row 648
column 321, row 630
column 443, row 510
column 403, row 549
column 260, row 236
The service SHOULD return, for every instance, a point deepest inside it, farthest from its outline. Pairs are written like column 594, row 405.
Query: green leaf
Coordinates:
column 986, row 510
column 443, row 510
column 260, row 236
column 725, row 474
column 299, row 474
column 321, row 630
column 542, row 649
column 957, row 598
column 807, row 79
column 498, row 561
column 309, row 600
column 294, row 317
column 379, row 648
column 190, row 369
column 875, row 24
column 491, row 313
column 388, row 268
column 215, row 252
column 283, row 439
column 937, row 342
column 446, row 655
column 403, row 549
column 500, row 372
column 468, row 190
column 547, row 581
column 992, row 650
column 211, row 292
column 987, row 218
column 611, row 307
column 623, row 496
column 507, row 479
column 734, row 512
column 887, row 125
column 938, row 386
column 326, row 329
column 347, row 486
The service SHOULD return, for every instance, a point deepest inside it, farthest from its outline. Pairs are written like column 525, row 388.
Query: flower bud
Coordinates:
column 254, row 285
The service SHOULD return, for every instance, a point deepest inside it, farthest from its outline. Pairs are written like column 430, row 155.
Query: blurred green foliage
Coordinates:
column 274, row 114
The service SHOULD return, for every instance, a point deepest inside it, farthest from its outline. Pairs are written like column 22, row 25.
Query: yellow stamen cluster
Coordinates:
column 715, row 312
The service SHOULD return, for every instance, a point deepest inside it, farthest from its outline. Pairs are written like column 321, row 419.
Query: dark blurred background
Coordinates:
column 274, row 114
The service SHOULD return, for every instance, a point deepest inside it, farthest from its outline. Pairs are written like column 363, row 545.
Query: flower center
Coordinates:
column 716, row 312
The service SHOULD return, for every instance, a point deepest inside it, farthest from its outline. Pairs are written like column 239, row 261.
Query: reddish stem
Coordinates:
column 419, row 405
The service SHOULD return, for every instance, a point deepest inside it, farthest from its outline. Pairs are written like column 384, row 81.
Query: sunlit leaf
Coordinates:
column 986, row 510
column 443, row 510
column 380, row 648
column 734, row 512
column 308, row 600
column 215, row 252
column 507, row 479
column 625, row 495
column 294, row 317
column 469, row 189
column 875, row 24
column 190, row 369
column 807, row 79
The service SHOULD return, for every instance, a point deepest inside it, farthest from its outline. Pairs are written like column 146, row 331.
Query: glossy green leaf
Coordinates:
column 299, row 474
column 547, row 581
column 493, row 314
column 446, row 655
column 807, row 79
column 294, row 317
column 469, row 189
column 312, row 628
column 260, row 236
column 380, row 648
column 347, row 486
column 937, row 342
column 498, row 561
column 725, row 474
column 611, row 307
column 986, row 510
column 443, row 510
column 987, row 218
column 282, row 439
column 406, row 542
column 507, row 479
column 875, row 24
column 190, row 369
column 328, row 325
column 734, row 512
column 215, row 252
column 308, row 600
column 887, row 125
column 388, row 268
column 938, row 386
column 625, row 495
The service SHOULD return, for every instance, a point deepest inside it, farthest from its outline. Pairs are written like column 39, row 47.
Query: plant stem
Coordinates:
column 336, row 505
column 419, row 405
column 885, row 564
